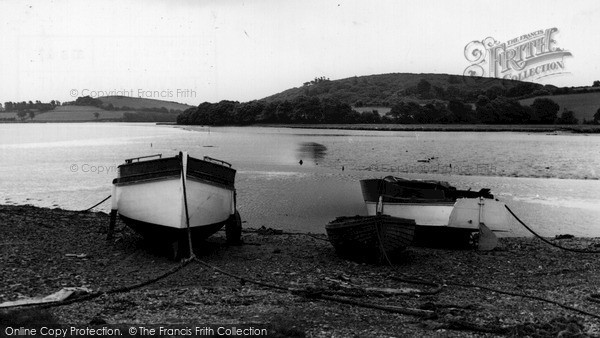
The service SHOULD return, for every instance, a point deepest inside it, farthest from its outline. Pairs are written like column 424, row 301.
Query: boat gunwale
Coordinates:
column 141, row 163
column 201, row 176
column 417, row 201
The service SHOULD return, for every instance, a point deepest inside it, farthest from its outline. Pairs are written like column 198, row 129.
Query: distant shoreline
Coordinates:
column 579, row 129
column 575, row 129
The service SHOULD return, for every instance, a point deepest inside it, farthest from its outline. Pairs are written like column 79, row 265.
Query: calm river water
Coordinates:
column 551, row 181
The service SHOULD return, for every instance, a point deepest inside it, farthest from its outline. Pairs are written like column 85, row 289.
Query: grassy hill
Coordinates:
column 8, row 115
column 78, row 114
column 141, row 103
column 130, row 109
column 584, row 105
column 385, row 89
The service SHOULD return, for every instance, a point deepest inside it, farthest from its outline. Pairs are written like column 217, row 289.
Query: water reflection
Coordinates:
column 310, row 151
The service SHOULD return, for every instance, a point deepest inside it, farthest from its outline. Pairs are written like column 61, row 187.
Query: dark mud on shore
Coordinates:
column 44, row 250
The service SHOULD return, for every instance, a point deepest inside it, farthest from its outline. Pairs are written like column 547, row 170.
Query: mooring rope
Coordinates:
column 185, row 204
column 97, row 204
column 97, row 294
column 547, row 241
column 510, row 293
column 323, row 294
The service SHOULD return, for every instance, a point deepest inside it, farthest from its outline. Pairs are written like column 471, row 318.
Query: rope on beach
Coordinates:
column 592, row 297
column 97, row 294
column 323, row 294
column 97, row 204
column 516, row 294
column 547, row 241
column 243, row 279
column 387, row 308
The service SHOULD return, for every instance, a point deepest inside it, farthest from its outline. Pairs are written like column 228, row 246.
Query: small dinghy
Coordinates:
column 379, row 237
column 164, row 198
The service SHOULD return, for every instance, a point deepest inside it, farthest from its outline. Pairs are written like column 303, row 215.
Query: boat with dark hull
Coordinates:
column 379, row 238
column 161, row 197
column 445, row 216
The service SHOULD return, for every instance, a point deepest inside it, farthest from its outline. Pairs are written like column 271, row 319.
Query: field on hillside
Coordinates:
column 141, row 103
column 583, row 105
column 8, row 115
column 86, row 114
column 77, row 113
column 381, row 110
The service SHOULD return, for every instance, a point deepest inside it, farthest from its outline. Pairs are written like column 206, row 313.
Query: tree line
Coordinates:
column 30, row 105
column 311, row 110
column 501, row 110
column 303, row 109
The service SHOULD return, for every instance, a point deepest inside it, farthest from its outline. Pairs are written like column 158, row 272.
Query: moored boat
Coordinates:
column 444, row 215
column 161, row 198
column 379, row 237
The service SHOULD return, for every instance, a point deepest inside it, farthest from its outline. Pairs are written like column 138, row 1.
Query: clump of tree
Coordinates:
column 595, row 119
column 317, row 80
column 87, row 101
column 22, row 115
column 567, row 117
column 545, row 111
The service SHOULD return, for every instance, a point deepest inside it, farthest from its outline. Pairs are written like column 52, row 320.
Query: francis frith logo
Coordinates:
column 528, row 57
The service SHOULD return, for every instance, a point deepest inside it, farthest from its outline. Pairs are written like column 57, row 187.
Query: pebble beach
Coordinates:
column 522, row 288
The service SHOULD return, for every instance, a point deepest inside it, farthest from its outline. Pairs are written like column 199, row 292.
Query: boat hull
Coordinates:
column 157, row 232
column 151, row 197
column 444, row 216
column 161, row 202
column 370, row 237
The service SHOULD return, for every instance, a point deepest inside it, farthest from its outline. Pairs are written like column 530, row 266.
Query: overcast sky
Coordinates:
column 196, row 51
